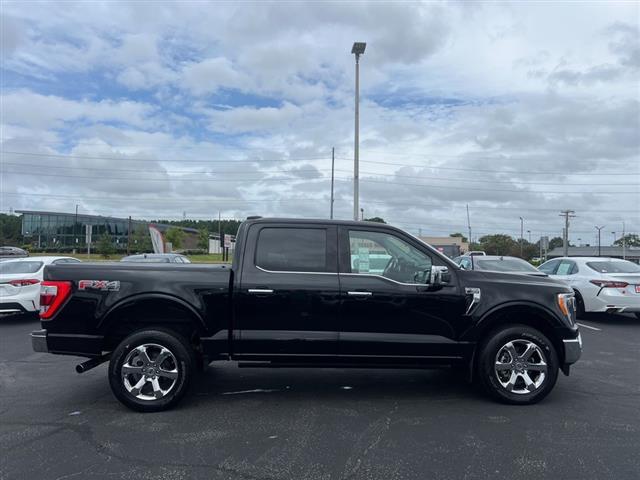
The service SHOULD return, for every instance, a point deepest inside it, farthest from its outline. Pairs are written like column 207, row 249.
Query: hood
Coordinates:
column 516, row 279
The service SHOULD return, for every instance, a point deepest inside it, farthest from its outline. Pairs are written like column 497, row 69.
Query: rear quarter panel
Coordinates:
column 204, row 289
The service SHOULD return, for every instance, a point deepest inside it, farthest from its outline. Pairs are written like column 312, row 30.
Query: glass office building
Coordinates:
column 66, row 230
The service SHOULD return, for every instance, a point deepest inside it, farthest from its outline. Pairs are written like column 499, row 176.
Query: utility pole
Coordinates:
column 129, row 236
column 529, row 232
column 333, row 162
column 567, row 214
column 624, row 255
column 599, row 229
column 357, row 49
column 75, row 231
column 521, row 236
column 469, row 226
column 220, row 232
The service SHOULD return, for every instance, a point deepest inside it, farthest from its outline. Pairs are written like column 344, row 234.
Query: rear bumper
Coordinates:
column 16, row 308
column 65, row 344
column 572, row 349
column 39, row 341
column 614, row 303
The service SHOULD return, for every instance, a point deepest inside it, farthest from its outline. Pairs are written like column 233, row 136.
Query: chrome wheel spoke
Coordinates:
column 511, row 383
column 531, row 386
column 142, row 352
column 500, row 366
column 537, row 367
column 164, row 354
column 130, row 369
column 510, row 347
column 137, row 388
column 168, row 373
column 157, row 391
column 530, row 350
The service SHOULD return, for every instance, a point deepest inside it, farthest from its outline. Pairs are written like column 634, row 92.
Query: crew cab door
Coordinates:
column 387, row 308
column 287, row 300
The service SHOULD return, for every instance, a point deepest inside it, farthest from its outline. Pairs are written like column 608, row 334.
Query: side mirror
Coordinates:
column 438, row 277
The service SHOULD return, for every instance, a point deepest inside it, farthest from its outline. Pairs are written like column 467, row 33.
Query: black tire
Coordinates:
column 172, row 374
column 580, row 311
column 492, row 378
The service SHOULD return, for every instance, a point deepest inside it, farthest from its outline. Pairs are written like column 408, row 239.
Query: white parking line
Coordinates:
column 590, row 327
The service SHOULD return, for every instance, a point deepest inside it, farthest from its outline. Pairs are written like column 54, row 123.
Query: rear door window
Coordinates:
column 549, row 267
column 566, row 267
column 292, row 250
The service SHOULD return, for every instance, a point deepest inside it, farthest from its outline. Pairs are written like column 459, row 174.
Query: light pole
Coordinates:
column 529, row 232
column 614, row 237
column 357, row 49
column 521, row 236
column 599, row 229
column 362, row 214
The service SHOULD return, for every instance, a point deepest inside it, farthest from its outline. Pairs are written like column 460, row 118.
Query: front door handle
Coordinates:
column 261, row 291
column 360, row 294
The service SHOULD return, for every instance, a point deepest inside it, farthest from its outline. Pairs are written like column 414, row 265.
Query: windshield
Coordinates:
column 622, row 266
column 11, row 268
column 503, row 265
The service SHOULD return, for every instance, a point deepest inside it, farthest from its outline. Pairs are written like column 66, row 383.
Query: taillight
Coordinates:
column 24, row 282
column 609, row 284
column 52, row 296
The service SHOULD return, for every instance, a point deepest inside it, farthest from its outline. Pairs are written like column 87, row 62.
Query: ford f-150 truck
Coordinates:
column 309, row 293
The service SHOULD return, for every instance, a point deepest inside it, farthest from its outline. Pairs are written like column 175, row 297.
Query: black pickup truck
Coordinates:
column 309, row 293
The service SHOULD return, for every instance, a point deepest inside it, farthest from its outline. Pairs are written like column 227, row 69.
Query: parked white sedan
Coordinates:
column 20, row 283
column 601, row 284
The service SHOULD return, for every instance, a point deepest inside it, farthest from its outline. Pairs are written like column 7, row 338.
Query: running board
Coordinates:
column 419, row 366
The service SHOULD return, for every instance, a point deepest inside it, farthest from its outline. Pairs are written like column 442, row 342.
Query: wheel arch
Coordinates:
column 151, row 310
column 520, row 313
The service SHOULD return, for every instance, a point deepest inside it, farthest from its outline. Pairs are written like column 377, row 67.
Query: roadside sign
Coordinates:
column 88, row 230
column 227, row 241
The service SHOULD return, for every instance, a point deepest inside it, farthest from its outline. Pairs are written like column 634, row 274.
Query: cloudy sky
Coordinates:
column 158, row 109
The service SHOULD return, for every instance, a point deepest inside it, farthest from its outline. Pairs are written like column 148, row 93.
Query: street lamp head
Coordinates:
column 358, row 48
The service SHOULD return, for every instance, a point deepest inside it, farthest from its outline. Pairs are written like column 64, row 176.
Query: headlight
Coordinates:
column 566, row 303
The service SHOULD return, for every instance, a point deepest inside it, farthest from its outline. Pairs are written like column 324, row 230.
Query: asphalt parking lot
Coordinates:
column 322, row 424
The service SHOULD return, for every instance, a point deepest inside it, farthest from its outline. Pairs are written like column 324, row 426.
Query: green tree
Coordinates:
column 11, row 230
column 203, row 239
column 375, row 219
column 140, row 241
column 105, row 245
column 630, row 240
column 175, row 235
column 498, row 244
column 556, row 242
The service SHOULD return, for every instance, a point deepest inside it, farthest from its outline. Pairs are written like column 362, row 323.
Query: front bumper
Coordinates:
column 39, row 341
column 572, row 349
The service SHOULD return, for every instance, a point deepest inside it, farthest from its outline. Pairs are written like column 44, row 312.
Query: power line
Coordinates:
column 261, row 179
column 130, row 199
column 393, row 175
column 294, row 159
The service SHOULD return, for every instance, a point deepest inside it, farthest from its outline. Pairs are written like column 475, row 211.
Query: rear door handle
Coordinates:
column 360, row 294
column 260, row 290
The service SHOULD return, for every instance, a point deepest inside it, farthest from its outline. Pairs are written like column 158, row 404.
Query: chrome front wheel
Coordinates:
column 520, row 366
column 517, row 364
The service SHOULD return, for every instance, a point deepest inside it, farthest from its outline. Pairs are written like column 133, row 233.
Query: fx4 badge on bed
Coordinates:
column 103, row 285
